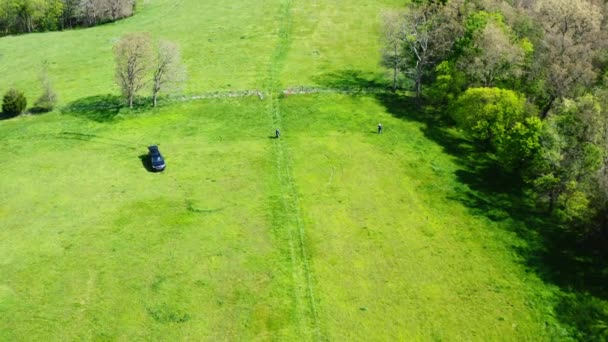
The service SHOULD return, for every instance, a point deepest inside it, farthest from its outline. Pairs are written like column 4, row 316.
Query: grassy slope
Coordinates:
column 326, row 42
column 379, row 212
column 225, row 46
column 96, row 247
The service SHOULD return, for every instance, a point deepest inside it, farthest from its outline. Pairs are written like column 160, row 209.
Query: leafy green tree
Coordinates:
column 473, row 25
column 23, row 16
column 571, row 155
column 522, row 143
column 487, row 113
column 13, row 103
column 449, row 83
column 51, row 15
column 502, row 121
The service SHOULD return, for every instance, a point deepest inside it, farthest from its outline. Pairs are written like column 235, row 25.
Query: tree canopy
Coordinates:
column 24, row 16
column 527, row 81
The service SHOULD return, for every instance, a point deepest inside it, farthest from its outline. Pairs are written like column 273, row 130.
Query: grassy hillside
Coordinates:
column 332, row 232
column 395, row 257
column 94, row 246
column 225, row 46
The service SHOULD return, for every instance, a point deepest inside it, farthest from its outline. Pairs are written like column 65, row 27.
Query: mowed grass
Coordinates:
column 225, row 46
column 396, row 256
column 94, row 246
column 335, row 37
column 332, row 232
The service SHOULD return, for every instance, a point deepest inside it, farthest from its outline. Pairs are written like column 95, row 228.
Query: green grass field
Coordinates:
column 330, row 233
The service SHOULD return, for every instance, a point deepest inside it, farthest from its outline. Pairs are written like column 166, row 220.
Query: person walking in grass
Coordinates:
column 379, row 128
column 277, row 133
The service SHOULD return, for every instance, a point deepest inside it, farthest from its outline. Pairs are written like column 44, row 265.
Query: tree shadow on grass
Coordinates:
column 352, row 80
column 408, row 108
column 4, row 116
column 558, row 256
column 587, row 314
column 99, row 108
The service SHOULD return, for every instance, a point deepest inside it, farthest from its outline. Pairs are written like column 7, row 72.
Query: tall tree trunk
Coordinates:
column 154, row 97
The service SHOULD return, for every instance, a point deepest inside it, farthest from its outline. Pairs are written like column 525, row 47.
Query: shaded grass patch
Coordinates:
column 99, row 108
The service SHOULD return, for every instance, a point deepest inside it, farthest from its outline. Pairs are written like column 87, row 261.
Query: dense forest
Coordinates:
column 527, row 81
column 24, row 16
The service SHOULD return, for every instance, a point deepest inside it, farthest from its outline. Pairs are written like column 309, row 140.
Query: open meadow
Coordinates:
column 332, row 232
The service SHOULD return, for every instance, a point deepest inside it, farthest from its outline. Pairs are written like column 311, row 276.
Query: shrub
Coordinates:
column 13, row 103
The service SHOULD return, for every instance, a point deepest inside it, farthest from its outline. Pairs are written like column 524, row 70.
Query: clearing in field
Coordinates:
column 331, row 232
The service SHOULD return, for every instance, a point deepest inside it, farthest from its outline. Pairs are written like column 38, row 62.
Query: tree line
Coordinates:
column 24, row 16
column 527, row 81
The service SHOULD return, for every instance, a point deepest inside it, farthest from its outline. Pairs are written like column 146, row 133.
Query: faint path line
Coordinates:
column 290, row 198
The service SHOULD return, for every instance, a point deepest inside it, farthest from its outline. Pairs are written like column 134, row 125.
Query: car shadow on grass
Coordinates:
column 577, row 265
column 146, row 162
column 99, row 108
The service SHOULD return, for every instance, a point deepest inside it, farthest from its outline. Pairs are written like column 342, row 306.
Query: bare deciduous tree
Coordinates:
column 428, row 32
column 169, row 71
column 116, row 9
column 132, row 56
column 495, row 56
column 88, row 10
column 573, row 34
column 47, row 100
column 392, row 49
column 95, row 11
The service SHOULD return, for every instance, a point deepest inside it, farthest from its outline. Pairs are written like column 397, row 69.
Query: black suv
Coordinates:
column 156, row 159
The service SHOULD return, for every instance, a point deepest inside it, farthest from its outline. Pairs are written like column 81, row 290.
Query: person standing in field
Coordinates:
column 277, row 133
column 379, row 128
